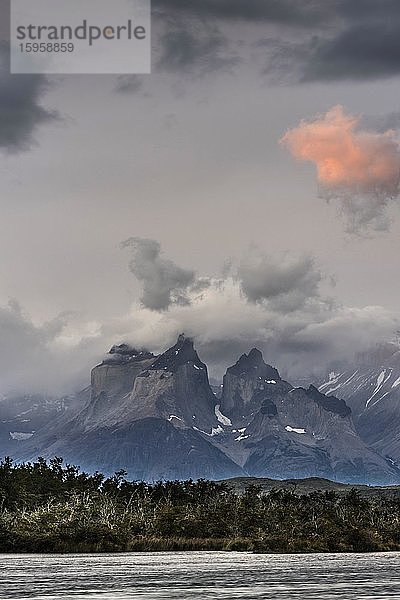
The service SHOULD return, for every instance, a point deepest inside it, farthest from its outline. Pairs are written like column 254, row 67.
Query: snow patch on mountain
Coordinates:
column 214, row 431
column 396, row 383
column 241, row 437
column 379, row 382
column 19, row 435
column 171, row 417
column 222, row 418
column 295, row 429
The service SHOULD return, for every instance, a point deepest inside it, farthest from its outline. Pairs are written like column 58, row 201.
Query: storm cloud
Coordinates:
column 356, row 41
column 288, row 12
column 164, row 282
column 366, row 51
column 288, row 281
column 21, row 111
column 322, row 41
column 188, row 48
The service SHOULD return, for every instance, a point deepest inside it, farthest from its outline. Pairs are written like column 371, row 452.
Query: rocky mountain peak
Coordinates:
column 181, row 353
column 248, row 385
column 253, row 365
column 255, row 354
column 183, row 339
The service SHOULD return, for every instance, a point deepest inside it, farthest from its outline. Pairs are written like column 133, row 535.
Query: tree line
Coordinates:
column 47, row 506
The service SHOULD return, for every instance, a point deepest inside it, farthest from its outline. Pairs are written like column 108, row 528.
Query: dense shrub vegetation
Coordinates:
column 49, row 507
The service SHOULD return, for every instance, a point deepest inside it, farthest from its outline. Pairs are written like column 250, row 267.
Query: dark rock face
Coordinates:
column 253, row 364
column 247, row 384
column 113, row 380
column 268, row 407
column 150, row 449
column 331, row 404
column 296, row 458
column 157, row 417
column 179, row 355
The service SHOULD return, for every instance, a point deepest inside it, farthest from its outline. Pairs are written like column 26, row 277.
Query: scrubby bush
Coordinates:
column 52, row 507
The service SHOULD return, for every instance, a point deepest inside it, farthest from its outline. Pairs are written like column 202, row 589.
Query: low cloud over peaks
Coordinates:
column 273, row 302
column 359, row 169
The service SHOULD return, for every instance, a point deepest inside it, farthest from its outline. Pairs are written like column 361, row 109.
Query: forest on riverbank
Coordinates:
column 51, row 507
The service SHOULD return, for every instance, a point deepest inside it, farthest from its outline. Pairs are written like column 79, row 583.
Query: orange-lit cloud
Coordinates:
column 360, row 168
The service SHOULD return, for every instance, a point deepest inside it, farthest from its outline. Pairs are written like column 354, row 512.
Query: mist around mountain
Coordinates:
column 158, row 418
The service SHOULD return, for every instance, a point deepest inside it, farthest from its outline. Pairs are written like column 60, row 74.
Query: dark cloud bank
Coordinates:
column 21, row 111
column 321, row 40
column 288, row 12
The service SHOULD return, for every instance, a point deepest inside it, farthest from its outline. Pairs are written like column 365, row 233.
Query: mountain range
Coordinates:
column 371, row 388
column 158, row 417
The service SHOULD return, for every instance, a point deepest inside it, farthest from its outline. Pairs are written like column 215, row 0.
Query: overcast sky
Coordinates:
column 245, row 192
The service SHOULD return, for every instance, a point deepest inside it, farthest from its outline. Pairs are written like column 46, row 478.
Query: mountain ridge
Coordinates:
column 157, row 417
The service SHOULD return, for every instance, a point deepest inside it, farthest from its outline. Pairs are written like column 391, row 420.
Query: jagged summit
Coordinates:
column 253, row 365
column 255, row 354
column 248, row 385
column 183, row 352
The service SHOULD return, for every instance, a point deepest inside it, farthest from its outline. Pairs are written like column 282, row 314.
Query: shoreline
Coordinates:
column 183, row 545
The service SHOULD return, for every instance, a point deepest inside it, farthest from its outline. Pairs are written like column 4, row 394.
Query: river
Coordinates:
column 195, row 575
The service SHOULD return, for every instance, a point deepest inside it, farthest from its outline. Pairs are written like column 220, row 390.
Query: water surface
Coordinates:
column 205, row 575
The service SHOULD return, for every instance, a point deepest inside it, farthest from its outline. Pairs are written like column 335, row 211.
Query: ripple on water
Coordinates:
column 195, row 575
